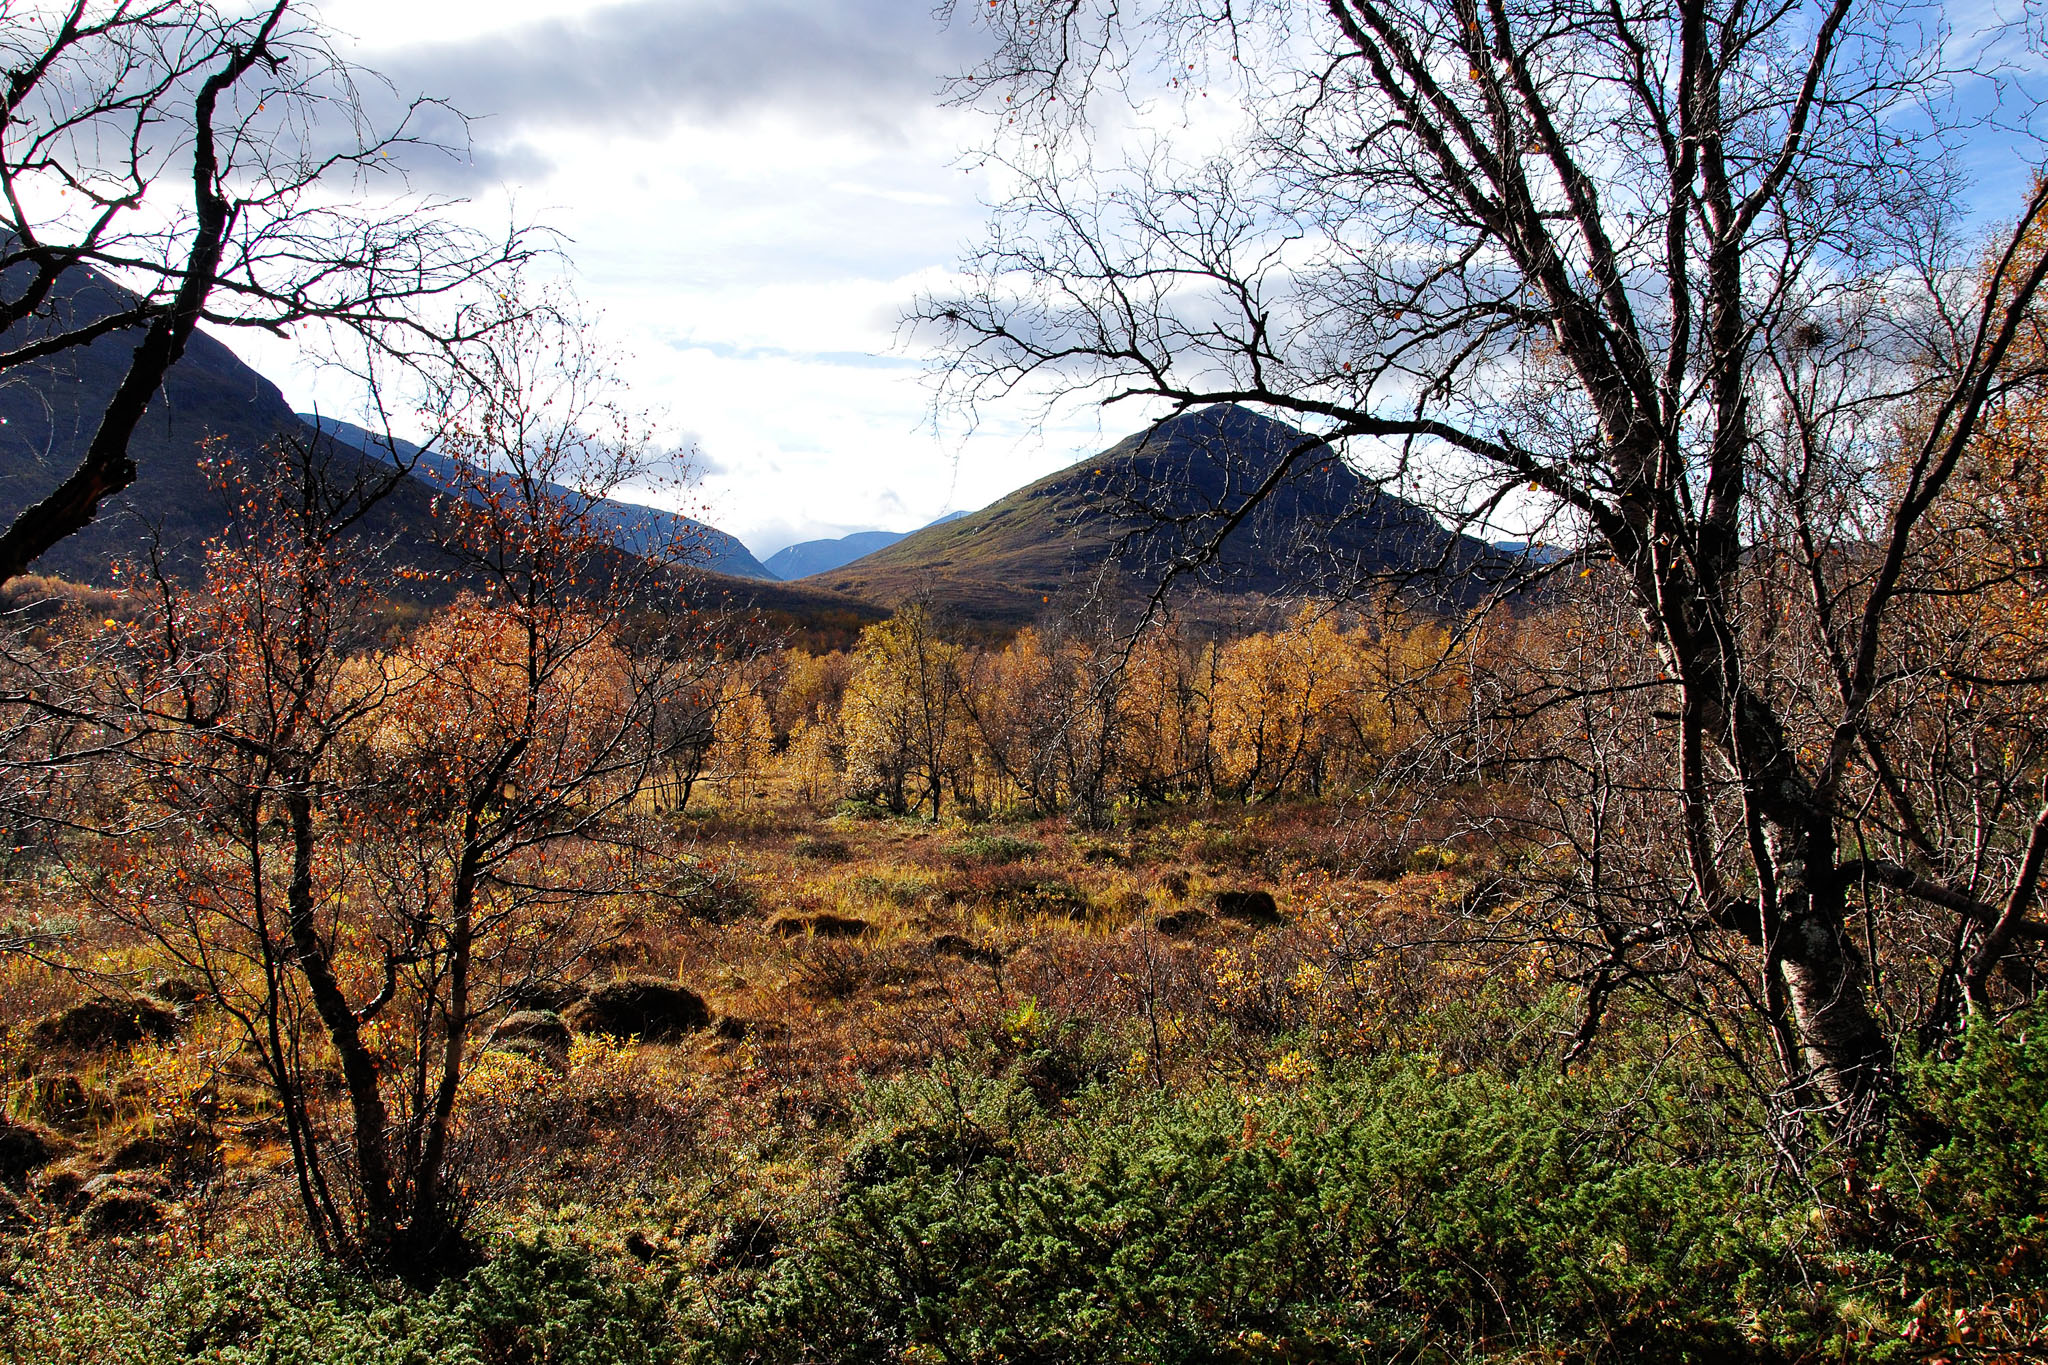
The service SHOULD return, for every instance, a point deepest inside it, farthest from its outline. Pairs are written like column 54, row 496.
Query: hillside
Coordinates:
column 50, row 409
column 1118, row 519
column 1114, row 520
column 631, row 526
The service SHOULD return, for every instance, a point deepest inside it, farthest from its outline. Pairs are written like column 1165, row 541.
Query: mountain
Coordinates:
column 212, row 403
column 1534, row 554
column 808, row 557
column 1115, row 521
column 1112, row 521
column 50, row 408
column 633, row 527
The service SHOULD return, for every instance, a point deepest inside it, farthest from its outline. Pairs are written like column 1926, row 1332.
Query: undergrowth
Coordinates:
column 1393, row 1209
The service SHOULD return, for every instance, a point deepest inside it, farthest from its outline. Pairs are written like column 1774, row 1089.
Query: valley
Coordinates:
column 1504, row 819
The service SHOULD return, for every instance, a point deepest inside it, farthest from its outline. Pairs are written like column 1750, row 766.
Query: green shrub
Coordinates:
column 1364, row 1218
column 530, row 1304
column 1968, row 1178
column 1027, row 1205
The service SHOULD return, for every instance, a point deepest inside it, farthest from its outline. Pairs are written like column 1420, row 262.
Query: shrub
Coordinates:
column 535, row 993
column 954, row 945
column 530, row 1303
column 541, row 1027
column 1018, row 893
column 642, row 1007
column 1396, row 1213
column 1971, row 1165
column 1253, row 907
column 712, row 893
column 992, row 848
column 13, row 1217
column 820, row 849
column 821, row 925
column 101, row 1025
column 64, row 1100
column 120, row 1211
column 178, row 991
column 891, row 888
column 25, row 1148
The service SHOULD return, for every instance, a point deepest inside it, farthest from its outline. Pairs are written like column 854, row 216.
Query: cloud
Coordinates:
column 747, row 196
column 697, row 463
column 642, row 66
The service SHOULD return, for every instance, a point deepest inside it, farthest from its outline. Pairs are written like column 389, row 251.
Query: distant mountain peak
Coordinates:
column 808, row 557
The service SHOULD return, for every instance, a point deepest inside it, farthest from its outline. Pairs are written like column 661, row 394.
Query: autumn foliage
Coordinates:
column 1065, row 720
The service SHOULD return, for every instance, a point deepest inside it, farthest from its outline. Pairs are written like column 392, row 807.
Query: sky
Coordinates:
column 750, row 193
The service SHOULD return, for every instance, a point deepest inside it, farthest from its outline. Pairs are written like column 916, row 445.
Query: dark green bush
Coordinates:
column 1366, row 1218
column 1399, row 1211
column 528, row 1305
column 1968, row 1177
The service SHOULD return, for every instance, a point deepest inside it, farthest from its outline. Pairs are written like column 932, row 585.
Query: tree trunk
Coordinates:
column 1826, row 977
column 371, row 1121
column 1803, row 911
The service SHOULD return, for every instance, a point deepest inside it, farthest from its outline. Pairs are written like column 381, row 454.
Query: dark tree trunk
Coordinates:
column 359, row 1070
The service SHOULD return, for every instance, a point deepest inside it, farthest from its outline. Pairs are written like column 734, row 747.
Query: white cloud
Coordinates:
column 751, row 195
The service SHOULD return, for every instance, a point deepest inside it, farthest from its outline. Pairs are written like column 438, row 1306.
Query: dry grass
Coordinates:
column 834, row 953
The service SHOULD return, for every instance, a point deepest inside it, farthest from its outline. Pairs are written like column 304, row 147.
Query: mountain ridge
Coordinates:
column 634, row 527
column 1105, row 525
column 1113, row 522
column 809, row 557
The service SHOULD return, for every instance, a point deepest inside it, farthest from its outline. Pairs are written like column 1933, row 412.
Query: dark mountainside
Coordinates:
column 50, row 409
column 808, row 557
column 630, row 526
column 1121, row 517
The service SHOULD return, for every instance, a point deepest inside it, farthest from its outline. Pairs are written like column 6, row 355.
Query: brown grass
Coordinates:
column 845, row 952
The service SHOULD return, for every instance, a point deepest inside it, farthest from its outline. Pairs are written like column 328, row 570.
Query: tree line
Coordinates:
column 1065, row 719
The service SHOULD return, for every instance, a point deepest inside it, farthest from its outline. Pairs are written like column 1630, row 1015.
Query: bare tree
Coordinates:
column 1682, row 287
column 164, row 163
